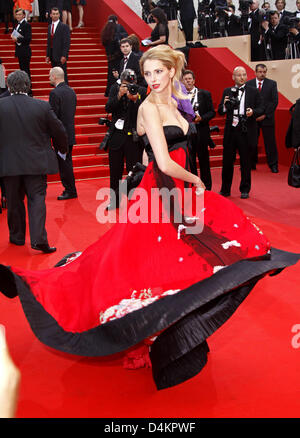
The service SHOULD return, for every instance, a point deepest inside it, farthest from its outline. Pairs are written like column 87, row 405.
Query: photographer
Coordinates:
column 293, row 37
column 276, row 35
column 256, row 18
column 202, row 103
column 122, row 141
column 233, row 22
column 242, row 104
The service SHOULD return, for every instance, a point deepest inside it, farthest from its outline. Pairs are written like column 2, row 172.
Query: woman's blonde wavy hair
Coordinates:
column 169, row 58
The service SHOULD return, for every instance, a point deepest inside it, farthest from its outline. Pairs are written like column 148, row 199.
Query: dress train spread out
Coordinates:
column 150, row 286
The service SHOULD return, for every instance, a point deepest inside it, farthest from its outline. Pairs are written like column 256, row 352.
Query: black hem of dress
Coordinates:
column 195, row 313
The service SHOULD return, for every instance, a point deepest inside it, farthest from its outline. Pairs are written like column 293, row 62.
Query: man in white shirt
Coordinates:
column 22, row 39
column 242, row 104
column 58, row 42
column 266, row 122
column 201, row 101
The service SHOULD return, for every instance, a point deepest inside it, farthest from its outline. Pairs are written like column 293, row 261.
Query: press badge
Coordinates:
column 119, row 124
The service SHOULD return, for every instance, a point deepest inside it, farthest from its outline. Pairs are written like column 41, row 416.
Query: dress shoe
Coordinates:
column 244, row 195
column 44, row 247
column 274, row 169
column 66, row 195
column 226, row 194
column 15, row 242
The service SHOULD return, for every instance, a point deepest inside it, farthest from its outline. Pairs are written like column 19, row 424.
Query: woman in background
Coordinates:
column 160, row 33
column 111, row 35
column 67, row 13
column 80, row 4
column 6, row 10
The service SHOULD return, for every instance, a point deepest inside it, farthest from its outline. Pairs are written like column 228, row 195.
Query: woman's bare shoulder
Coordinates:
column 148, row 109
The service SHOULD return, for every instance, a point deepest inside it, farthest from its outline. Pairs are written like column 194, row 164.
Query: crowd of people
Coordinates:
column 39, row 10
column 249, row 107
column 274, row 31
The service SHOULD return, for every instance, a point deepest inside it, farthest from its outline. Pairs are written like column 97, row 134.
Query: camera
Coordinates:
column 133, row 89
column 291, row 22
column 244, row 6
column 233, row 102
column 104, row 121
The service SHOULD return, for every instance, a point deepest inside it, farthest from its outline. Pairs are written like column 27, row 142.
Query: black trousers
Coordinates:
column 131, row 152
column 66, row 172
column 188, row 29
column 24, row 64
column 200, row 150
column 34, row 187
column 237, row 142
column 268, row 133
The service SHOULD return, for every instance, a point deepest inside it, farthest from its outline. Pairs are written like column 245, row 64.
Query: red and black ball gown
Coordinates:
column 150, row 283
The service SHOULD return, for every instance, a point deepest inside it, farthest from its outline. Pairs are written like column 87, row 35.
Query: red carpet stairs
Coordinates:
column 87, row 69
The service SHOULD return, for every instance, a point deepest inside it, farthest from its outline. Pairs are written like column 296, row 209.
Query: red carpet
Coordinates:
column 251, row 370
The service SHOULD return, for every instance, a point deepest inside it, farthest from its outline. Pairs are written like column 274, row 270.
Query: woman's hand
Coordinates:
column 200, row 187
column 10, row 380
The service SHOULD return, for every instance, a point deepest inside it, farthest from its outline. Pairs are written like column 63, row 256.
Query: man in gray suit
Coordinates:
column 27, row 126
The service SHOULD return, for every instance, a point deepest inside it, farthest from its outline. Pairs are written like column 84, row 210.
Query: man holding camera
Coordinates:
column 202, row 104
column 124, row 99
column 242, row 104
column 233, row 22
column 276, row 35
column 255, row 19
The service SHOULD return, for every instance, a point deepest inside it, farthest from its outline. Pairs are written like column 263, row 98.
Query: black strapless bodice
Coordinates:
column 175, row 138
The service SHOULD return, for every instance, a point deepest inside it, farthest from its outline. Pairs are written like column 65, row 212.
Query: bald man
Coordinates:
column 242, row 104
column 63, row 101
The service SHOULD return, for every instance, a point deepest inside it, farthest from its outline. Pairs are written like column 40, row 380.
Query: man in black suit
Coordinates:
column 22, row 50
column 130, row 61
column 27, row 126
column 123, row 142
column 280, row 6
column 58, row 42
column 242, row 105
column 233, row 22
column 266, row 122
column 202, row 103
column 255, row 18
column 297, row 12
column 63, row 102
column 187, row 17
column 276, row 35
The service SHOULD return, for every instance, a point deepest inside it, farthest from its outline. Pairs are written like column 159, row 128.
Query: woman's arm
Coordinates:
column 149, row 119
column 162, row 40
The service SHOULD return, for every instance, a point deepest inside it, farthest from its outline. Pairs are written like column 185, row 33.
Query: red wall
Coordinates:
column 213, row 69
column 97, row 11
